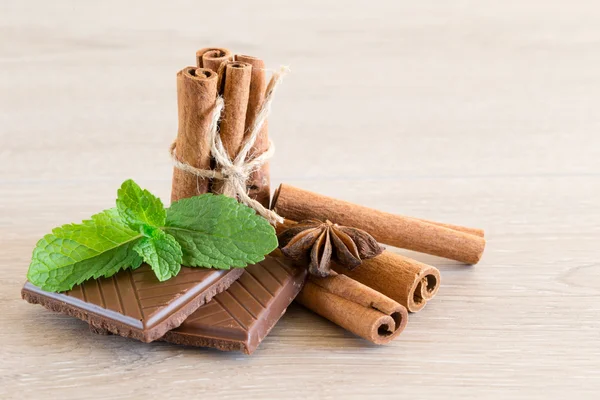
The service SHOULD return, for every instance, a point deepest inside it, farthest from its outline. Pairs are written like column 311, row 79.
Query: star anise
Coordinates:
column 321, row 242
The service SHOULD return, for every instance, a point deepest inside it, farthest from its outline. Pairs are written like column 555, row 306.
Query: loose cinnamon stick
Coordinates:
column 259, row 184
column 212, row 57
column 471, row 231
column 355, row 307
column 236, row 90
column 196, row 93
column 395, row 230
column 407, row 281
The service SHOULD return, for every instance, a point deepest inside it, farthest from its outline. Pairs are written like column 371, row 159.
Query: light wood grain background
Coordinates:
column 481, row 113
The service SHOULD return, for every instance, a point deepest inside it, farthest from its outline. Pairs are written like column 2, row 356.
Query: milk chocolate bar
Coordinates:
column 239, row 318
column 133, row 303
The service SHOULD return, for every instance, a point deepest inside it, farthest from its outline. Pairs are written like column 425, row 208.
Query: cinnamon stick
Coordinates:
column 407, row 281
column 259, row 184
column 355, row 307
column 392, row 229
column 465, row 229
column 235, row 94
column 196, row 93
column 212, row 57
column 236, row 77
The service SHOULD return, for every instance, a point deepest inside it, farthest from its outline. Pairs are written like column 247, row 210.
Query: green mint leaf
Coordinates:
column 203, row 231
column 162, row 252
column 139, row 207
column 74, row 253
column 217, row 231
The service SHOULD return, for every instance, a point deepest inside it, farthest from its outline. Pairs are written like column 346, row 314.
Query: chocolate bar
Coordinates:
column 239, row 318
column 133, row 303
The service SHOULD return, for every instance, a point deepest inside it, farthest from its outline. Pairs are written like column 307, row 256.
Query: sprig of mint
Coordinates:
column 203, row 231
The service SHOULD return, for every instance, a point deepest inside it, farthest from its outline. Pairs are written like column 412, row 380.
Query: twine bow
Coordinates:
column 235, row 173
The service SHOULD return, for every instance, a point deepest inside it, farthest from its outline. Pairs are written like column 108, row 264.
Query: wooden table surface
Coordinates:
column 480, row 113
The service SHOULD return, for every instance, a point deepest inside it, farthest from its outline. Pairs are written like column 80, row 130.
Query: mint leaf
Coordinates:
column 217, row 231
column 162, row 252
column 74, row 253
column 138, row 207
column 145, row 213
column 203, row 231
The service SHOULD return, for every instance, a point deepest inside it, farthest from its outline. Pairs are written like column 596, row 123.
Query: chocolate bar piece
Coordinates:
column 134, row 303
column 243, row 315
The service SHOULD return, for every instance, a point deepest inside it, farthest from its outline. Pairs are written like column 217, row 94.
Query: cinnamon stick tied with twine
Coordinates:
column 212, row 57
column 235, row 79
column 259, row 184
column 404, row 280
column 196, row 94
column 235, row 172
column 355, row 307
column 392, row 229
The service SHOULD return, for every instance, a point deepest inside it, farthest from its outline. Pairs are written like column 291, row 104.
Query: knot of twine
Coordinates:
column 235, row 172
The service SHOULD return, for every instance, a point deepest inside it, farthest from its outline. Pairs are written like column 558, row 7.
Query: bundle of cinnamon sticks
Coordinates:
column 241, row 81
column 372, row 298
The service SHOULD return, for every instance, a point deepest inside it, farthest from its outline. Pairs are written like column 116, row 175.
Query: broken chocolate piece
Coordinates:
column 239, row 318
column 133, row 303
